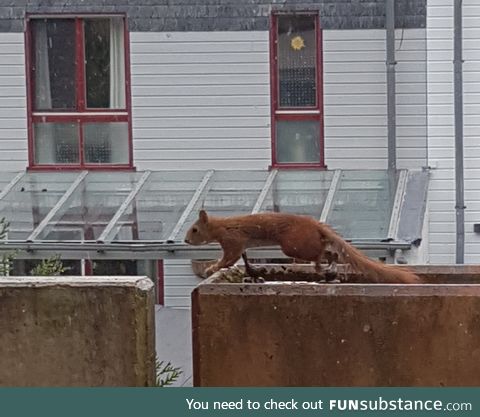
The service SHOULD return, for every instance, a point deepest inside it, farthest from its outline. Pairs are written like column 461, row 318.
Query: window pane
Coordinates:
column 53, row 59
column 298, row 141
column 297, row 57
column 56, row 143
column 104, row 63
column 106, row 143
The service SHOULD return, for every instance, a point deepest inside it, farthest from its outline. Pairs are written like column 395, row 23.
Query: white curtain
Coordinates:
column 115, row 133
column 44, row 135
column 43, row 96
column 117, row 64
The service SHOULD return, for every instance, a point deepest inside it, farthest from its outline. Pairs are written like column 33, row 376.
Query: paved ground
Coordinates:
column 173, row 340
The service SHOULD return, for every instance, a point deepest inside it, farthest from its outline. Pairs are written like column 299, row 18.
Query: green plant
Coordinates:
column 7, row 258
column 166, row 374
column 49, row 267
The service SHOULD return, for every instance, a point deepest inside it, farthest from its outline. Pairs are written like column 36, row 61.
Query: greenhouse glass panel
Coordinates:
column 228, row 193
column 5, row 179
column 159, row 205
column 31, row 199
column 363, row 204
column 299, row 192
column 86, row 213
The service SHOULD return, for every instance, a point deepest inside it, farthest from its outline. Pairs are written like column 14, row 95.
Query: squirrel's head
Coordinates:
column 198, row 234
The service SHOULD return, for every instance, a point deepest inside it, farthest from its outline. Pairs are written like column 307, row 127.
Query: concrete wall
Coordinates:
column 77, row 331
column 290, row 334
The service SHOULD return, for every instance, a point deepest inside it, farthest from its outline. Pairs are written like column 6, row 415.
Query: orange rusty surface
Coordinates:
column 310, row 334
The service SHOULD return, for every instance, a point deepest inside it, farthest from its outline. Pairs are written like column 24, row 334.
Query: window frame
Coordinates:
column 310, row 113
column 83, row 114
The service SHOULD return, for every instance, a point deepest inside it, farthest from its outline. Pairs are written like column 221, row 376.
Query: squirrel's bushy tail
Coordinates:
column 374, row 271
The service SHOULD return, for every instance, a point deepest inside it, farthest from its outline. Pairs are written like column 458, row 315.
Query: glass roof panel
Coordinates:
column 228, row 193
column 299, row 192
column 86, row 213
column 158, row 206
column 5, row 178
column 360, row 209
column 363, row 203
column 30, row 200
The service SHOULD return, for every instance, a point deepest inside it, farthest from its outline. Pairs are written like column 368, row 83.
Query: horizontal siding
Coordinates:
column 179, row 282
column 441, row 139
column 201, row 89
column 207, row 92
column 355, row 97
column 471, row 87
column 441, row 130
column 13, row 110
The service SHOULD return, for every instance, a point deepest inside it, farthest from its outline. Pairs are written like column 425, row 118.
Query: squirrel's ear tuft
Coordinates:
column 203, row 217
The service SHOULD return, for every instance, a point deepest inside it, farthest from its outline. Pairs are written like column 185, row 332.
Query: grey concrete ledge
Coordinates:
column 142, row 283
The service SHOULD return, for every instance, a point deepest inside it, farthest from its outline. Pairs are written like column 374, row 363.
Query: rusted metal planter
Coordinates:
column 310, row 334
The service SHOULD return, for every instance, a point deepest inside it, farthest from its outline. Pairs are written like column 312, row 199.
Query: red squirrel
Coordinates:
column 300, row 237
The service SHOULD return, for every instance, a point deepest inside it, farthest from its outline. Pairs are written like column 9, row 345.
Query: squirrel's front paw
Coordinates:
column 211, row 269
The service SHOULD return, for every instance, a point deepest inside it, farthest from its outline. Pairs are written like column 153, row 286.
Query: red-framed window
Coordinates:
column 79, row 111
column 296, row 90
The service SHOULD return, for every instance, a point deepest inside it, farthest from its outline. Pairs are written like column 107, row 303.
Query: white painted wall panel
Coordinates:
column 441, row 140
column 13, row 113
column 441, row 129
column 179, row 283
column 355, row 99
column 215, row 87
column 210, row 92
column 471, row 86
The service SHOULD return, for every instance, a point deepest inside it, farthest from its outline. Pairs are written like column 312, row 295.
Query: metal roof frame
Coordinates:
column 109, row 233
column 266, row 188
column 397, row 204
column 57, row 207
column 154, row 250
column 12, row 184
column 106, row 248
column 331, row 194
column 191, row 205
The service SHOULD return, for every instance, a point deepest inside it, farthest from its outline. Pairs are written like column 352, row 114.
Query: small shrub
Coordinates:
column 49, row 267
column 166, row 374
column 7, row 258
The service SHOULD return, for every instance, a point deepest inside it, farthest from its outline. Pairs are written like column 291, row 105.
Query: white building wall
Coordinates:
column 471, row 85
column 179, row 282
column 441, row 129
column 201, row 100
column 355, row 98
column 13, row 107
column 441, row 139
